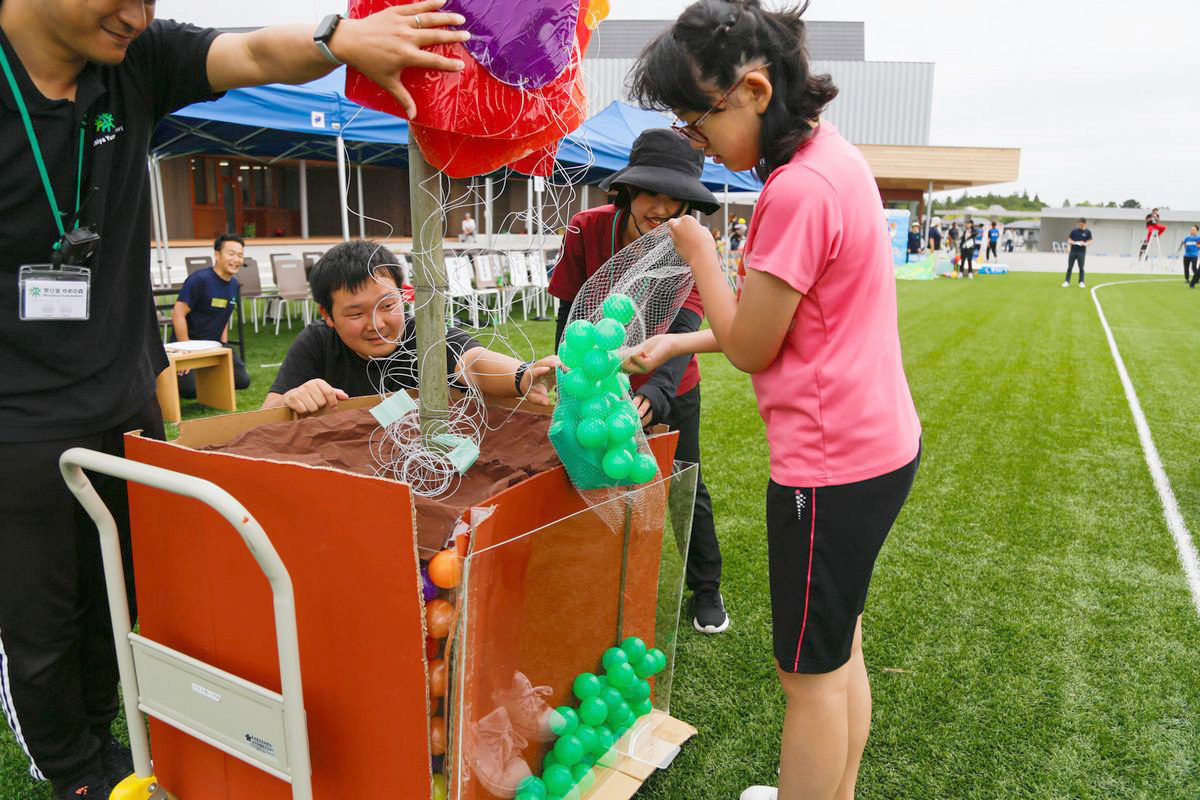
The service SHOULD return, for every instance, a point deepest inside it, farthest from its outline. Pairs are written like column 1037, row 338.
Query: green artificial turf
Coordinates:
column 1029, row 632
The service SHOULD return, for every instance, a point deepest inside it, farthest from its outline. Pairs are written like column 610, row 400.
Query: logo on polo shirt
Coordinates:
column 108, row 126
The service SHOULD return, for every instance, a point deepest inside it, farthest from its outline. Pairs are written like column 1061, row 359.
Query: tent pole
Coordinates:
column 725, row 207
column 430, row 285
column 529, row 205
column 488, row 200
column 303, row 198
column 583, row 198
column 343, row 188
column 362, row 209
column 162, row 216
column 155, row 220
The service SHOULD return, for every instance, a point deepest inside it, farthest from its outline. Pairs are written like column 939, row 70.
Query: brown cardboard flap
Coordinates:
column 627, row 775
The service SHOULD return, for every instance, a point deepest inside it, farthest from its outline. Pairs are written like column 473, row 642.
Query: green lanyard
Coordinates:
column 37, row 151
column 616, row 219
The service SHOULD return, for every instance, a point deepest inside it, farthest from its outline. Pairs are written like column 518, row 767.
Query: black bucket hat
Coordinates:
column 664, row 162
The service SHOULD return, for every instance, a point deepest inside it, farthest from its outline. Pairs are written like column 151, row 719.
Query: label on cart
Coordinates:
column 209, row 693
column 261, row 745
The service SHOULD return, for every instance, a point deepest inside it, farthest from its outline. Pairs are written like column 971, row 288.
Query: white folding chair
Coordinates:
column 292, row 285
column 539, row 278
column 459, row 274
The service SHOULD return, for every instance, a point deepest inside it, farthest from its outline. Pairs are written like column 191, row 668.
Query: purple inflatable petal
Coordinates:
column 524, row 44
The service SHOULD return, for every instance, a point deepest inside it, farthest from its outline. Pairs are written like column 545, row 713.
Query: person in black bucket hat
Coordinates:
column 660, row 183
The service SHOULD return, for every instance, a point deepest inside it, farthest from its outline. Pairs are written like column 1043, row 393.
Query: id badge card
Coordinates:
column 49, row 293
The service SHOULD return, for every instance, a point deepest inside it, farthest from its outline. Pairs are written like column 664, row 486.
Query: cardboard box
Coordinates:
column 348, row 543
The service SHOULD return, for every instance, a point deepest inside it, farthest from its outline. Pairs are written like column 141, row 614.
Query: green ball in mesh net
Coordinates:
column 595, row 426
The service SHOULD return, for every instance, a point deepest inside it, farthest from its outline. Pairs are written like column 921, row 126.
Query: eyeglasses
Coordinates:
column 691, row 131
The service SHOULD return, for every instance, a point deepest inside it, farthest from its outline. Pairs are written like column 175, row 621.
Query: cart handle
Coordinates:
column 72, row 463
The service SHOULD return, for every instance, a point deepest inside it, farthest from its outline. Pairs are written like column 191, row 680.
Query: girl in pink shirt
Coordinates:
column 815, row 323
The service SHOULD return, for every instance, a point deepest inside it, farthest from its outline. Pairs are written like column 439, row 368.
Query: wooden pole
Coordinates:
column 430, row 285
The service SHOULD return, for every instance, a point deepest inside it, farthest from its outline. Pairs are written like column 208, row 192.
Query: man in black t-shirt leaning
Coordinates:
column 84, row 84
column 206, row 301
column 1080, row 237
column 365, row 344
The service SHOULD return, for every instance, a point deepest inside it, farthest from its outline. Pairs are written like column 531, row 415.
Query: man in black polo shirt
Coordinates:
column 205, row 303
column 83, row 85
column 365, row 344
column 1080, row 237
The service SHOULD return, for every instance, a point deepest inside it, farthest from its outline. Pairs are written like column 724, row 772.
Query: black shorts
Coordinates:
column 822, row 545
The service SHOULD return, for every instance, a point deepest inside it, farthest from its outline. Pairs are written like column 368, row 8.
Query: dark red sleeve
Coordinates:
column 693, row 303
column 571, row 270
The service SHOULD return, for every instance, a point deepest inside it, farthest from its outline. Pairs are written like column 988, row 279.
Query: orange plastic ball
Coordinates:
column 437, row 736
column 445, row 569
column 437, row 678
column 439, row 616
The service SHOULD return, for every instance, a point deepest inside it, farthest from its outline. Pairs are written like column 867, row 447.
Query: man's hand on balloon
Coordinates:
column 693, row 242
column 388, row 41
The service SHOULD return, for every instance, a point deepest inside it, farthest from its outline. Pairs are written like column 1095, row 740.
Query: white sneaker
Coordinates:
column 1066, row 284
column 1082, row 285
column 760, row 793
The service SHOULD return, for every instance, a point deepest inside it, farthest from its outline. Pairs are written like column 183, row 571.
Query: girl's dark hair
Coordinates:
column 711, row 43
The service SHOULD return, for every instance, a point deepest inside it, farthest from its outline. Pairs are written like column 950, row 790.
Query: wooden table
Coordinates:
column 214, row 380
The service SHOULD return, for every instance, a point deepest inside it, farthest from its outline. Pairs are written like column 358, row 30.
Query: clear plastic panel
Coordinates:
column 596, row 594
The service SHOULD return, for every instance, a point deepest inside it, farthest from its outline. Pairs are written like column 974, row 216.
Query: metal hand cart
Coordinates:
column 265, row 729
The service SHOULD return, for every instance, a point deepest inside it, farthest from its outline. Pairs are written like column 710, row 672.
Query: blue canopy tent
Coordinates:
column 316, row 121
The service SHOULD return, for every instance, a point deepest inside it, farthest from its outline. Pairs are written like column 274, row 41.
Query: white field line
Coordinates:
column 1179, row 532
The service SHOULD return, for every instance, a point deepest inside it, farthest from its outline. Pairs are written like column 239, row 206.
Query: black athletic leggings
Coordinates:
column 1189, row 262
column 991, row 250
column 968, row 260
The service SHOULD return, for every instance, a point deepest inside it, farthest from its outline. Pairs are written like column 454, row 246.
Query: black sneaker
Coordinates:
column 116, row 758
column 708, row 611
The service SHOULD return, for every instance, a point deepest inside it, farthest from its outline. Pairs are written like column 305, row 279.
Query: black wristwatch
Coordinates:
column 324, row 34
column 519, row 375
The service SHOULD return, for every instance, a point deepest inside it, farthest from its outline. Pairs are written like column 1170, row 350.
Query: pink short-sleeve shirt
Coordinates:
column 835, row 401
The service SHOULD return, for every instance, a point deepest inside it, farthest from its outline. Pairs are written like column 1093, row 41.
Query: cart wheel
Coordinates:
column 135, row 788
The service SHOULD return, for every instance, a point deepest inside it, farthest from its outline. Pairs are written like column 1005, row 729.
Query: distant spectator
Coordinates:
column 738, row 237
column 914, row 241
column 1008, row 240
column 935, row 236
column 968, row 251
column 1153, row 227
column 205, row 303
column 1191, row 249
column 993, row 240
column 467, row 228
column 1080, row 237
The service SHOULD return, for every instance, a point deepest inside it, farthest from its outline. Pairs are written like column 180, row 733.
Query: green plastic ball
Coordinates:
column 624, row 712
column 645, row 468
column 576, row 384
column 642, row 708
column 623, row 379
column 619, row 307
column 568, row 749
column 564, row 720
column 634, row 649
column 643, row 689
column 529, row 796
column 580, row 335
column 616, row 465
column 595, row 407
column 604, row 739
column 532, row 786
column 660, row 658
column 612, row 657
column 587, row 685
column 548, row 761
column 597, row 364
column 592, row 432
column 570, row 356
column 614, row 388
column 646, row 667
column 587, row 737
column 558, row 779
column 630, row 692
column 621, row 676
column 608, row 334
column 611, row 697
column 593, row 711
column 621, row 428
column 583, row 776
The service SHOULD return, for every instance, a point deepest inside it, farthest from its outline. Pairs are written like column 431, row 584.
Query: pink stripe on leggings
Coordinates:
column 812, row 536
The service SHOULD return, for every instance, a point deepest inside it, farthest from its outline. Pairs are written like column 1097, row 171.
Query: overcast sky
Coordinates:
column 1102, row 97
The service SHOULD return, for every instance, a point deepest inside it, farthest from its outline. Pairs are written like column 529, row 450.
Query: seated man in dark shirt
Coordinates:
column 205, row 303
column 365, row 344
